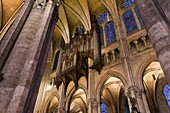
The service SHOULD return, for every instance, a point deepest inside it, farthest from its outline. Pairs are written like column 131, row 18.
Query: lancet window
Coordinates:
column 129, row 21
column 166, row 92
column 104, row 108
column 106, row 27
column 110, row 32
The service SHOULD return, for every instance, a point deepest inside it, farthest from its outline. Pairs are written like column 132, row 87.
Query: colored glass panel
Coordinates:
column 129, row 21
column 128, row 3
column 102, row 18
column 110, row 32
column 138, row 15
column 104, row 108
column 101, row 35
column 166, row 92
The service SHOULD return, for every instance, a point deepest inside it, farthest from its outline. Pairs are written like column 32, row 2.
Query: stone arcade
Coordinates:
column 85, row 56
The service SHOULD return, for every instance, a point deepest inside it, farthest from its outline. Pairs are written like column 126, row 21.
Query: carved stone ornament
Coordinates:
column 40, row 4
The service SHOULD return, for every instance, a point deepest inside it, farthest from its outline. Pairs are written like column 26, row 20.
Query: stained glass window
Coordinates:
column 56, row 60
column 110, row 32
column 104, row 108
column 166, row 92
column 129, row 21
column 138, row 15
column 128, row 3
column 101, row 36
column 102, row 18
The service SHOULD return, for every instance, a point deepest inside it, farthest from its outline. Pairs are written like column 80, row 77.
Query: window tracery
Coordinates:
column 166, row 92
column 129, row 21
column 128, row 3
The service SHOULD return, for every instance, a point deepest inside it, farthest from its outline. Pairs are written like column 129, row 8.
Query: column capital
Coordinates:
column 93, row 102
column 137, row 91
column 61, row 110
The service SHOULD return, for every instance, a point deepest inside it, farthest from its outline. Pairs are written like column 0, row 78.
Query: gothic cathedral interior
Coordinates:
column 84, row 56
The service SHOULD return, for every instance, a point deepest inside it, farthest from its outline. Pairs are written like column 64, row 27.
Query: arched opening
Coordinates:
column 78, row 102
column 113, row 99
column 154, row 84
column 52, row 105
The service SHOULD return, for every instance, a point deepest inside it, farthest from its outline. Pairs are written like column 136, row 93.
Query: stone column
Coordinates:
column 62, row 101
column 136, row 44
column 158, row 30
column 144, row 41
column 96, row 41
column 136, row 100
column 147, row 110
column 11, row 35
column 163, row 7
column 59, row 61
column 21, row 67
column 92, row 103
column 104, row 35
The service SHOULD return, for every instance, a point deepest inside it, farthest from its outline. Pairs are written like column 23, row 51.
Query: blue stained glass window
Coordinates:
column 128, row 3
column 104, row 108
column 101, row 36
column 129, row 21
column 138, row 15
column 102, row 18
column 166, row 92
column 110, row 32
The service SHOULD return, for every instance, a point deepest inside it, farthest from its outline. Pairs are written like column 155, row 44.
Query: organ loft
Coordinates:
column 85, row 56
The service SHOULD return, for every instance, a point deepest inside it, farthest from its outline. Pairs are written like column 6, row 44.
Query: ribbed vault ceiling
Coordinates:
column 72, row 13
column 7, row 9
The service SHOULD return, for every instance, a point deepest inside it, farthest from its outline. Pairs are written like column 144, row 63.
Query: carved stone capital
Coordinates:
column 61, row 110
column 93, row 102
column 137, row 92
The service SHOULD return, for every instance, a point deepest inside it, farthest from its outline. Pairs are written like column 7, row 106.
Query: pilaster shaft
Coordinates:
column 22, row 62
